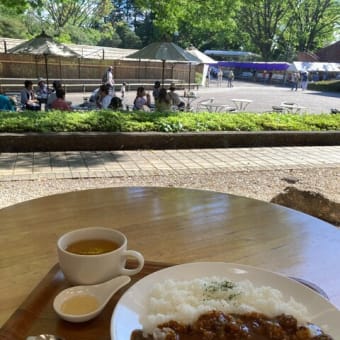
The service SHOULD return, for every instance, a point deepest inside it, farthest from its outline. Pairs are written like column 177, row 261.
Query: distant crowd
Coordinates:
column 103, row 97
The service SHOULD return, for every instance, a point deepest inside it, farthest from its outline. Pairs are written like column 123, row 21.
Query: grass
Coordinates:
column 113, row 121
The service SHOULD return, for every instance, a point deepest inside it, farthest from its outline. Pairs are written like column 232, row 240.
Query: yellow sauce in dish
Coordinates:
column 79, row 305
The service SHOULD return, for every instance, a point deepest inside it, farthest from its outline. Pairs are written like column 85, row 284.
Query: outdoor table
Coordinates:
column 241, row 104
column 292, row 107
column 214, row 107
column 171, row 225
column 189, row 99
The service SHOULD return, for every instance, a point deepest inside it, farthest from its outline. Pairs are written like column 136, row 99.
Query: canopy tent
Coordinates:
column 204, row 59
column 256, row 65
column 299, row 66
column 233, row 55
column 43, row 45
column 164, row 51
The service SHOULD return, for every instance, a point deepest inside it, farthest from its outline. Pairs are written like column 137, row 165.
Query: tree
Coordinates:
column 18, row 6
column 278, row 29
column 264, row 22
column 313, row 22
column 126, row 11
column 79, row 13
column 11, row 23
column 192, row 22
column 128, row 38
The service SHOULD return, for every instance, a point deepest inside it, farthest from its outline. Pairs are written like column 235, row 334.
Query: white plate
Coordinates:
column 132, row 304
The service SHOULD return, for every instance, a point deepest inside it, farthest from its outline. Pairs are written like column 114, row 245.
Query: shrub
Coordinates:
column 115, row 121
column 326, row 85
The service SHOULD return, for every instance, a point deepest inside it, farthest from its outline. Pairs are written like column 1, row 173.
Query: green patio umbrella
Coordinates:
column 164, row 51
column 45, row 46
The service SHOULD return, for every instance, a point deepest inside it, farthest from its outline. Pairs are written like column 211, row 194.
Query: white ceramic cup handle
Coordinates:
column 139, row 257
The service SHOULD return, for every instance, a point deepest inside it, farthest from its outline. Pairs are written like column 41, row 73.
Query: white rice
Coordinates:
column 185, row 301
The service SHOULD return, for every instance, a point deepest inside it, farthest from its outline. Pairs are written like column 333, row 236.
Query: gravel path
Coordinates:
column 262, row 185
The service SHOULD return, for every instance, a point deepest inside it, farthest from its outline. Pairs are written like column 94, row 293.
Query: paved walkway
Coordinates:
column 109, row 164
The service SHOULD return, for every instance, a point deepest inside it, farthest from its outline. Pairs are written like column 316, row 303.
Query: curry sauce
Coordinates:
column 216, row 325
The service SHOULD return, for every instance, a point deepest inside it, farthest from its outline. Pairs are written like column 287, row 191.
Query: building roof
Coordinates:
column 330, row 53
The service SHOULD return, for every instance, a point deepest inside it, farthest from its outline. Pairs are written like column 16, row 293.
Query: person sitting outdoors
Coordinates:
column 60, row 103
column 27, row 97
column 6, row 104
column 104, row 99
column 116, row 103
column 42, row 91
column 142, row 100
column 175, row 98
column 53, row 96
column 163, row 101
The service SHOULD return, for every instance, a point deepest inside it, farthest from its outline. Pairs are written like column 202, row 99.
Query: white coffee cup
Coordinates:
column 93, row 269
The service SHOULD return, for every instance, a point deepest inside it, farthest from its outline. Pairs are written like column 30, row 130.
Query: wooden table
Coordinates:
column 168, row 225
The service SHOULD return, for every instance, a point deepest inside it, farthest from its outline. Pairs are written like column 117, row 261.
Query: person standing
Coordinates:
column 123, row 90
column 304, row 80
column 156, row 89
column 219, row 77
column 230, row 78
column 295, row 81
column 109, row 81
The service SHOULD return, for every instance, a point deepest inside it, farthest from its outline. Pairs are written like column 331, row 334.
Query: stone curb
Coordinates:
column 95, row 141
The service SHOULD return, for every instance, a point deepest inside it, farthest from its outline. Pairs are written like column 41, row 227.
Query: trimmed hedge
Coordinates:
column 113, row 121
column 325, row 86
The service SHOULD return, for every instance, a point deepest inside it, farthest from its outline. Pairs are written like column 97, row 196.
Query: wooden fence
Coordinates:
column 16, row 68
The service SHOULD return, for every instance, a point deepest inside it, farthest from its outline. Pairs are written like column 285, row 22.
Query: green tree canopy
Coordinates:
column 11, row 23
column 60, row 13
column 18, row 6
column 193, row 22
column 279, row 28
column 312, row 22
column 275, row 29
